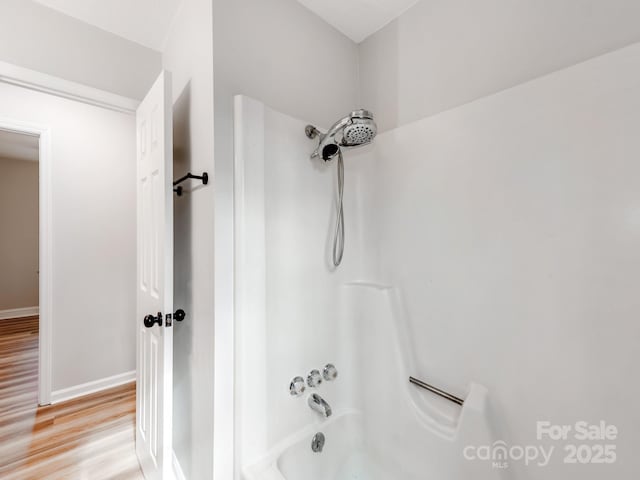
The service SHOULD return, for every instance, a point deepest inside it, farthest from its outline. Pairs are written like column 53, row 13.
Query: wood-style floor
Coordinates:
column 87, row 438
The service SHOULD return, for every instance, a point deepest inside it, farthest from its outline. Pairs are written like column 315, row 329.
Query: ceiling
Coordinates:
column 18, row 146
column 358, row 19
column 146, row 22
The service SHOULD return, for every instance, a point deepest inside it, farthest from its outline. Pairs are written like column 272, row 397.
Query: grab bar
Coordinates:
column 437, row 391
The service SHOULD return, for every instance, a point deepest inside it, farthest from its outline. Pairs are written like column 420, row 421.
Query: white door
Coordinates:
column 154, row 379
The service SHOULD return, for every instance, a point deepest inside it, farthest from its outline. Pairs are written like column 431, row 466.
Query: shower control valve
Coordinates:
column 330, row 372
column 314, row 379
column 297, row 387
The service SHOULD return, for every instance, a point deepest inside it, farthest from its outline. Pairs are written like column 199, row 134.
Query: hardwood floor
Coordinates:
column 87, row 438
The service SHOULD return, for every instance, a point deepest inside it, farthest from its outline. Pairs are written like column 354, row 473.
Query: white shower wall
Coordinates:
column 290, row 305
column 511, row 226
column 508, row 228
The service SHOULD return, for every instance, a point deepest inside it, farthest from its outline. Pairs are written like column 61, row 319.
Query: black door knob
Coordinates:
column 150, row 320
column 179, row 315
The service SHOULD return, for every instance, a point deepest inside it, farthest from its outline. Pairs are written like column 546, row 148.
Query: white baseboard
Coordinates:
column 19, row 312
column 92, row 387
column 177, row 469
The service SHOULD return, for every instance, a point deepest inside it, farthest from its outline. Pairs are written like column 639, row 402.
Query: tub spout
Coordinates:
column 317, row 403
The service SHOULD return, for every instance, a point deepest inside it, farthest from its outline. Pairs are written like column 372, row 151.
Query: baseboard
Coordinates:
column 92, row 387
column 177, row 469
column 19, row 312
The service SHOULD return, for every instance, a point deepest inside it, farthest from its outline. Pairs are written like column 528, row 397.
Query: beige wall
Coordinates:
column 18, row 234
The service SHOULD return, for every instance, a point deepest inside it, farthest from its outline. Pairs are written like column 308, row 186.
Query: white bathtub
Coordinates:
column 344, row 456
column 392, row 430
column 381, row 447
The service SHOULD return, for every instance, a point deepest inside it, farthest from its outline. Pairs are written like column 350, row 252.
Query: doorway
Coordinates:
column 19, row 269
column 25, row 258
column 19, row 223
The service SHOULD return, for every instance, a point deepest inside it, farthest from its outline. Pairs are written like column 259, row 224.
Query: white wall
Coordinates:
column 443, row 53
column 36, row 37
column 188, row 56
column 19, row 233
column 280, row 53
column 511, row 224
column 93, row 174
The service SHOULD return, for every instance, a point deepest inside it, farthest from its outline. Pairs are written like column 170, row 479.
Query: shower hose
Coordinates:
column 338, row 237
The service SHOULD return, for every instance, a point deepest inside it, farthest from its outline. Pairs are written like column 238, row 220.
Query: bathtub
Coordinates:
column 344, row 456
column 391, row 430
column 369, row 446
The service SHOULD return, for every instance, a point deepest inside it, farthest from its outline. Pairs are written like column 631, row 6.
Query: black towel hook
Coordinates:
column 204, row 177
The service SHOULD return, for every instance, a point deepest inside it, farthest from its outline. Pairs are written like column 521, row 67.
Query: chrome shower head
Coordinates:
column 356, row 129
column 360, row 131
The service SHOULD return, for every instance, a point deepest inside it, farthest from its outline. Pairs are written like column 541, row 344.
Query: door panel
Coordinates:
column 155, row 280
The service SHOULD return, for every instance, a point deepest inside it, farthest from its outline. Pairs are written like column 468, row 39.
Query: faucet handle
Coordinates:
column 314, row 379
column 330, row 372
column 297, row 387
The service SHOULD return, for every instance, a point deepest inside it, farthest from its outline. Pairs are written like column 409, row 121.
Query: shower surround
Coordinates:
column 491, row 250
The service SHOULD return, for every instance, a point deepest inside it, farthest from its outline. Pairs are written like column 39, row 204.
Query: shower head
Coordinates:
column 360, row 130
column 354, row 130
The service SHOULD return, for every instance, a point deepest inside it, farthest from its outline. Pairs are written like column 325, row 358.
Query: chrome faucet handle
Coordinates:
column 314, row 379
column 297, row 387
column 330, row 372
